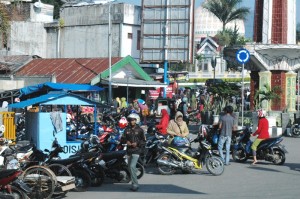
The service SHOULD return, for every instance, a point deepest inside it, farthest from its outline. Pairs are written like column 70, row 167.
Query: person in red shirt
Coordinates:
column 262, row 132
column 163, row 124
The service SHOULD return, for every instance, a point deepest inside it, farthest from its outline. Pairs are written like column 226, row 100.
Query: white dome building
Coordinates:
column 207, row 24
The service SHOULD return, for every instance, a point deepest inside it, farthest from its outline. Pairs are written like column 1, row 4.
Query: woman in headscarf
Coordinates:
column 163, row 124
column 123, row 102
column 178, row 127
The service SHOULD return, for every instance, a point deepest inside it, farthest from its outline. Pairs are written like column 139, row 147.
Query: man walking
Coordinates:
column 134, row 137
column 226, row 126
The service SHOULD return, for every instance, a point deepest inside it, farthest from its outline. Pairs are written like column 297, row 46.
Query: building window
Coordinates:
column 138, row 45
column 129, row 35
column 205, row 66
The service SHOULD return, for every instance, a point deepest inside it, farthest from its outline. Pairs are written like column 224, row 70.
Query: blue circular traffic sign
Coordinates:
column 242, row 56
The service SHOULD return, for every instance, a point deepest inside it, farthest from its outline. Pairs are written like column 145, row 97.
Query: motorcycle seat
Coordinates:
column 67, row 161
column 8, row 172
column 238, row 131
column 86, row 155
column 268, row 140
column 113, row 154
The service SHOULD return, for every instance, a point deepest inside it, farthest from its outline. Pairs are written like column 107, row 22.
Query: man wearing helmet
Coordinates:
column 134, row 137
column 262, row 132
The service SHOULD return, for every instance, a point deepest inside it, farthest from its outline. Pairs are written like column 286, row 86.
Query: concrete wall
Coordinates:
column 44, row 13
column 291, row 37
column 85, row 31
column 28, row 38
column 11, row 84
column 129, row 46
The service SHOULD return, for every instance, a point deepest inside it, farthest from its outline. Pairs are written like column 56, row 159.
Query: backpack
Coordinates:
column 180, row 107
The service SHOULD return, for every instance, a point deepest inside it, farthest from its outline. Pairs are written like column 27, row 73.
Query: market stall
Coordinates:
column 46, row 119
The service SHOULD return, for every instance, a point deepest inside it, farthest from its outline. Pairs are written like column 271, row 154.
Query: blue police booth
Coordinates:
column 49, row 120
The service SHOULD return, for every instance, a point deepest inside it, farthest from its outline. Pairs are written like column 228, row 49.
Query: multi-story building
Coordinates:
column 82, row 31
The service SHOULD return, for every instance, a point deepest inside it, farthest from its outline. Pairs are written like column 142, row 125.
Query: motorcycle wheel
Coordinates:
column 239, row 155
column 18, row 193
column 164, row 169
column 214, row 165
column 140, row 170
column 279, row 157
column 296, row 132
column 59, row 170
column 82, row 180
column 100, row 175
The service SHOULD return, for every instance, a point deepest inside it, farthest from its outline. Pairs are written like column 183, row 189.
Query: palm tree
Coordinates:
column 226, row 10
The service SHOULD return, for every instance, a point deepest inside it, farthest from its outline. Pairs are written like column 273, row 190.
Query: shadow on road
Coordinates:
column 258, row 167
column 145, row 188
column 293, row 166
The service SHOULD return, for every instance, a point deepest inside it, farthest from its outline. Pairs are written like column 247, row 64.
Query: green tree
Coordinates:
column 268, row 94
column 226, row 10
column 222, row 94
column 4, row 24
column 231, row 37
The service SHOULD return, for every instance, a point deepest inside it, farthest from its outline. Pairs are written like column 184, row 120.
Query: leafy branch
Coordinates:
column 268, row 94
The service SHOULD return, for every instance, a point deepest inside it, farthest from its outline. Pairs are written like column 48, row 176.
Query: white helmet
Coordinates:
column 261, row 113
column 134, row 116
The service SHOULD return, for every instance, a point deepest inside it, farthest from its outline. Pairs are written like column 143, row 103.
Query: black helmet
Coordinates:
column 151, row 130
column 94, row 140
column 85, row 146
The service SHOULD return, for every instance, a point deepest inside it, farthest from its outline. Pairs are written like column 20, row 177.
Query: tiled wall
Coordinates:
column 279, row 22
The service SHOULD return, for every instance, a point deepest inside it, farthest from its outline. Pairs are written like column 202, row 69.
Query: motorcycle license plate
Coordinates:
column 68, row 187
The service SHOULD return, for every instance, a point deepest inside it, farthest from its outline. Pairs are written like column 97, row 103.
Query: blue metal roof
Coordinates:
column 53, row 97
column 60, row 86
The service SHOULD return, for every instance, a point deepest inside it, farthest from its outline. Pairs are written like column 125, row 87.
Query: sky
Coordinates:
column 245, row 3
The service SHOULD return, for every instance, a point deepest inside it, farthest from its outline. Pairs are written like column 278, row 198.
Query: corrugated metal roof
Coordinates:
column 68, row 70
column 13, row 62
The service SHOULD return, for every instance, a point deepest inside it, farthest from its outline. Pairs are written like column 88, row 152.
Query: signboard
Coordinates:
column 166, row 31
column 243, row 56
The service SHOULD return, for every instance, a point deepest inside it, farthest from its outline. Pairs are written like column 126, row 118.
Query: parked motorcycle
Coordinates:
column 269, row 149
column 211, row 134
column 153, row 146
column 114, row 163
column 296, row 130
column 20, row 127
column 10, row 184
column 181, row 156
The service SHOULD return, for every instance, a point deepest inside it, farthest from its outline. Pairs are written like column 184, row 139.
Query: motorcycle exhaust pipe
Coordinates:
column 167, row 163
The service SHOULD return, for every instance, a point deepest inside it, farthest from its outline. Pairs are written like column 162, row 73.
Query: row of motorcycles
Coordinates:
column 270, row 150
column 89, row 167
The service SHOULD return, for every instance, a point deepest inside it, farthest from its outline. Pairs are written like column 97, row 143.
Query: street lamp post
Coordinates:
column 128, row 74
column 109, row 52
column 213, row 64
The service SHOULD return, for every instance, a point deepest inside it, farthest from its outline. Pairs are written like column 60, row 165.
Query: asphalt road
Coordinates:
column 239, row 180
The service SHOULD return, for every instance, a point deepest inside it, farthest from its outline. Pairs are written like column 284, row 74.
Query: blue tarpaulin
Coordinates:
column 53, row 96
column 59, row 87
